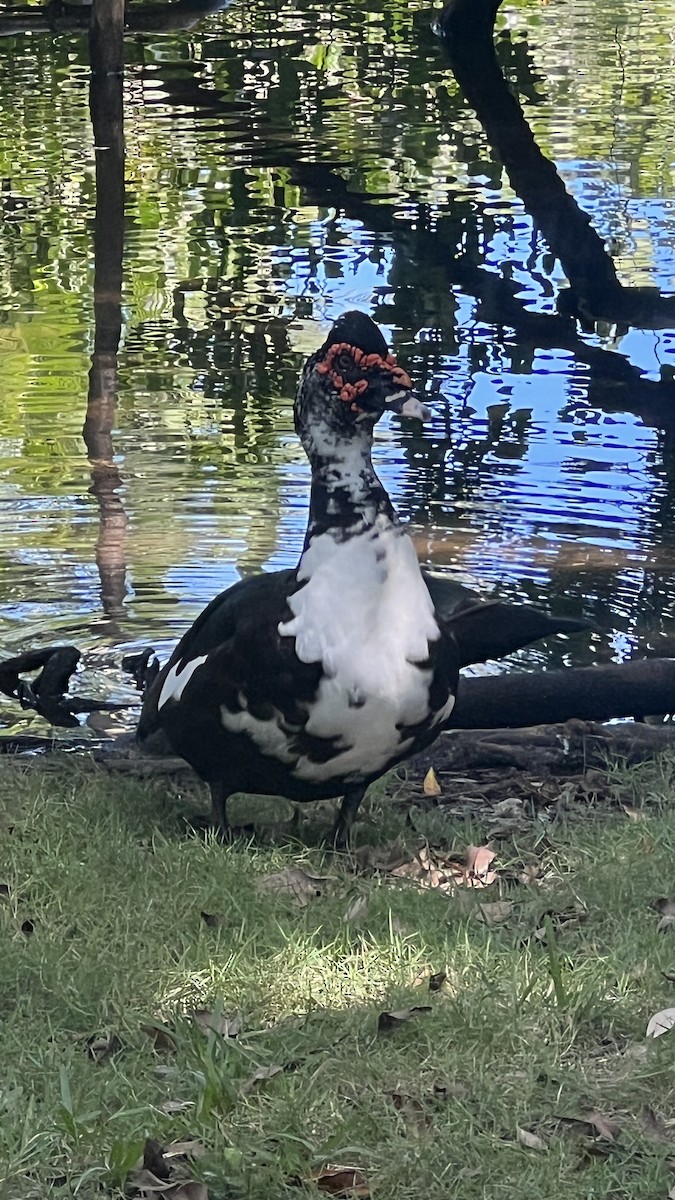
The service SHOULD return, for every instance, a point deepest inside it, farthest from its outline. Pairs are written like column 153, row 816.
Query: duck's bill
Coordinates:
column 404, row 404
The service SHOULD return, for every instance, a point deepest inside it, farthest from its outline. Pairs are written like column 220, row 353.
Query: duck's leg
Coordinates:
column 345, row 818
column 219, row 795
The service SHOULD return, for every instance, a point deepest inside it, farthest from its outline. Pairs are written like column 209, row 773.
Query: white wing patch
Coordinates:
column 178, row 678
column 269, row 736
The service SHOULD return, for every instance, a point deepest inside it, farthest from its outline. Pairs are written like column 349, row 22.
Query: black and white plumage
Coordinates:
column 311, row 683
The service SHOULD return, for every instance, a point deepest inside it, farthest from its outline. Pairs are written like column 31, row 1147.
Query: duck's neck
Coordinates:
column 346, row 495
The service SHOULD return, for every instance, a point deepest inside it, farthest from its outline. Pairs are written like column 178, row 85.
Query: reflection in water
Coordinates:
column 281, row 168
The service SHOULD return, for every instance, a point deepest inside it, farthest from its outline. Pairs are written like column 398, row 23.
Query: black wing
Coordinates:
column 485, row 629
column 245, row 658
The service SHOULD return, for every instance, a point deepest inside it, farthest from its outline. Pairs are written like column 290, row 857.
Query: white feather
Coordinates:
column 178, row 678
column 366, row 615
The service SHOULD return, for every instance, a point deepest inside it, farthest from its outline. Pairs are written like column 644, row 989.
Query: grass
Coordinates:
column 540, row 1020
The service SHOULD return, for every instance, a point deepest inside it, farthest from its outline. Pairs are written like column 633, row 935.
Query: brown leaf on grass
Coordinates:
column 530, row 1140
column 341, row 1181
column 156, row 1177
column 667, row 909
column 162, row 1037
column 530, row 874
column 661, row 1023
column 437, row 980
column 153, row 1159
column 415, row 1114
column 431, row 868
column 602, row 1125
column 495, row 913
column 213, row 1022
column 654, row 1125
column 212, row 920
column 356, row 910
column 99, row 1048
column 431, row 786
column 146, row 1183
column 188, row 1189
column 294, row 882
column 634, row 814
column 562, row 919
column 478, row 859
column 261, row 1074
column 192, row 1148
column 388, row 1021
column 445, row 1089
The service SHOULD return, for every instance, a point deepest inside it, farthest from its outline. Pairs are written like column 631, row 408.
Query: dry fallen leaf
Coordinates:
column 192, row 1148
column 153, row 1160
column 147, row 1183
column 213, row 920
column 415, row 1114
column 101, row 1048
column 161, row 1036
column 208, row 1022
column 530, row 1140
column 388, row 1021
column 478, row 859
column 341, row 1181
column 431, row 785
column 154, row 1179
column 660, row 1023
column 496, row 912
column 295, row 882
column 431, row 868
column 602, row 1125
column 357, row 909
column 189, row 1189
column 635, row 814
column 654, row 1124
column 263, row 1073
column 667, row 909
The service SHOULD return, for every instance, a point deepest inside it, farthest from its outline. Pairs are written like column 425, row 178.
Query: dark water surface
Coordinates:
column 281, row 168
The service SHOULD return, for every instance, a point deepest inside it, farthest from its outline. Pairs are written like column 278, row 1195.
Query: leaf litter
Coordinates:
column 164, row 1174
column 341, row 1181
column 216, row 1022
column 431, row 868
column 387, row 1022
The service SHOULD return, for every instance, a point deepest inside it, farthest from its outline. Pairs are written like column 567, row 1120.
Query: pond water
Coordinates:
column 282, row 166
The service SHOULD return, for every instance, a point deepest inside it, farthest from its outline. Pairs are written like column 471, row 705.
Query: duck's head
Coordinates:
column 352, row 380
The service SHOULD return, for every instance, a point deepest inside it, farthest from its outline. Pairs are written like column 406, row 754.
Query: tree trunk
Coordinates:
column 106, row 37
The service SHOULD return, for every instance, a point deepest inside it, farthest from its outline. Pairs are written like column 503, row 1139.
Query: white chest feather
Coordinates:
column 365, row 614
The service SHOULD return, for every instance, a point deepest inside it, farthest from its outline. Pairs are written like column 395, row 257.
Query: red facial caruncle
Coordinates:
column 343, row 360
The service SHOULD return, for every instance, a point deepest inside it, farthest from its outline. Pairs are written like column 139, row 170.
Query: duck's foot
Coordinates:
column 351, row 802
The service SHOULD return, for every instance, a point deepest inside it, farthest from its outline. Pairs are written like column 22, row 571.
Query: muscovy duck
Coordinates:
column 312, row 683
